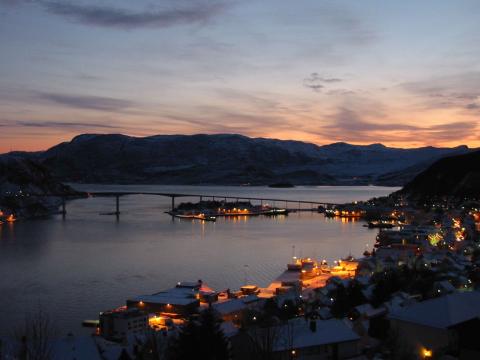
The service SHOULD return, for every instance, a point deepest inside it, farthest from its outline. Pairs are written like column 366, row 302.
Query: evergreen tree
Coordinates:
column 124, row 355
column 201, row 338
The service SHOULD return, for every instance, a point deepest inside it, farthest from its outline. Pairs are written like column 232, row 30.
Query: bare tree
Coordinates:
column 263, row 340
column 35, row 337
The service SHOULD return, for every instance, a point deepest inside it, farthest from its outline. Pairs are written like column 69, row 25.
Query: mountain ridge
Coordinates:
column 232, row 159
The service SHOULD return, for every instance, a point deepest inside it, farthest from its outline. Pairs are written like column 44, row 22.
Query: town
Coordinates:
column 412, row 296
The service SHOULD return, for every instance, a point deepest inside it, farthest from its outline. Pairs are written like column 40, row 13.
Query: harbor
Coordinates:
column 410, row 268
column 136, row 254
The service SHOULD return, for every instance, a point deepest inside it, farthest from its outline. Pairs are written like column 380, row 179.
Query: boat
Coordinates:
column 91, row 323
column 275, row 211
column 379, row 225
column 205, row 217
column 195, row 216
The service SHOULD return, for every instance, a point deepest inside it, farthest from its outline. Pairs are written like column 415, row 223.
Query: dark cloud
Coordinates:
column 314, row 81
column 64, row 124
column 185, row 13
column 472, row 106
column 13, row 2
column 87, row 102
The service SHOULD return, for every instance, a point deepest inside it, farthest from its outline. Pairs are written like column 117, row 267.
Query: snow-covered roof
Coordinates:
column 298, row 334
column 180, row 295
column 234, row 305
column 444, row 285
column 442, row 312
column 369, row 311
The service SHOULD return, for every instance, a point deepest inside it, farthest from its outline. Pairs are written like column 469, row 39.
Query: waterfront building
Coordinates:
column 182, row 300
column 120, row 323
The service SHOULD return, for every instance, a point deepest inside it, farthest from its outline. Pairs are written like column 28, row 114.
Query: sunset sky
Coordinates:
column 403, row 73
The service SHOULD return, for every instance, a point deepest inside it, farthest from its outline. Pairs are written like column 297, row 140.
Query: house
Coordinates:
column 233, row 309
column 448, row 321
column 299, row 339
column 316, row 339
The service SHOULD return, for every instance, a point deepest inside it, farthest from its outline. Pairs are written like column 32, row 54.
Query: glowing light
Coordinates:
column 427, row 354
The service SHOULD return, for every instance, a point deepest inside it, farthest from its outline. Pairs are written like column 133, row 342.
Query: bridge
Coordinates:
column 201, row 197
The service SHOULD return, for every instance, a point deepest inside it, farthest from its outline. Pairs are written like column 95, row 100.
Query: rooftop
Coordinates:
column 442, row 312
column 327, row 332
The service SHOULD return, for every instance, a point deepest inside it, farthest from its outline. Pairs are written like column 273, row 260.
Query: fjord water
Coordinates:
column 75, row 267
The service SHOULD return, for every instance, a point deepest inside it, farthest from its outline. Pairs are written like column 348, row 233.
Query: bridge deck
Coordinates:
column 175, row 195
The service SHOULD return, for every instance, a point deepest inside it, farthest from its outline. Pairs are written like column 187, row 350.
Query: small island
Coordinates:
column 281, row 185
column 211, row 209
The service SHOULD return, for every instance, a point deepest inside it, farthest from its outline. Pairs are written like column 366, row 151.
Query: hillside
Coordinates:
column 457, row 176
column 20, row 179
column 232, row 159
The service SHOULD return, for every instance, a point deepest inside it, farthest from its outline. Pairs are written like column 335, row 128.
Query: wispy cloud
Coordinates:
column 87, row 102
column 64, row 124
column 316, row 82
column 459, row 90
column 170, row 15
column 348, row 125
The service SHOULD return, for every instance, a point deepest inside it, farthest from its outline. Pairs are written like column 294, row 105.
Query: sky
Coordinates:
column 402, row 73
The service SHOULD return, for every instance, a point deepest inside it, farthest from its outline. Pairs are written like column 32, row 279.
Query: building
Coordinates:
column 316, row 339
column 301, row 339
column 233, row 309
column 120, row 323
column 450, row 321
column 182, row 300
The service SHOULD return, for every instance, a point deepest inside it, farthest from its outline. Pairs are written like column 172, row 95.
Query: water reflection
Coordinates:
column 86, row 263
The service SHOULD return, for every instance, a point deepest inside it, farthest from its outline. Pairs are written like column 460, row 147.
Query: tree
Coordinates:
column 155, row 346
column 35, row 337
column 346, row 298
column 124, row 355
column 288, row 310
column 263, row 337
column 201, row 338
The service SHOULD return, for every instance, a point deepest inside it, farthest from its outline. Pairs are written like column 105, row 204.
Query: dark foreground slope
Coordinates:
column 232, row 159
column 456, row 176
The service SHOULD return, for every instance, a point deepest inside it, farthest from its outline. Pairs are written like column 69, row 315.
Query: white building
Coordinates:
column 438, row 323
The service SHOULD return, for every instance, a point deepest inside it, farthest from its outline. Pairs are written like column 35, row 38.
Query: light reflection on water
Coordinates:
column 86, row 263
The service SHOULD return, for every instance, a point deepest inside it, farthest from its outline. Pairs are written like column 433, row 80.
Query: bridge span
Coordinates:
column 202, row 197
